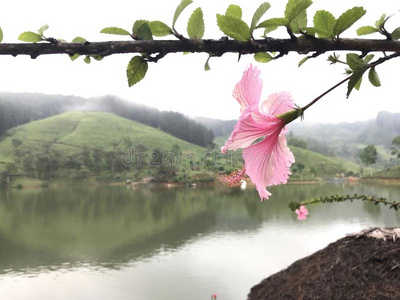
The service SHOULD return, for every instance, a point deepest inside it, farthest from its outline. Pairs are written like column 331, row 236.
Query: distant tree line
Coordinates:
column 18, row 109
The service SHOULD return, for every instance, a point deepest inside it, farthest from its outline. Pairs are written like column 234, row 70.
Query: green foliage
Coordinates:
column 347, row 19
column 115, row 30
column 358, row 66
column 195, row 26
column 381, row 22
column 179, row 9
column 296, row 7
column 136, row 70
column 87, row 59
column 366, row 30
column 274, row 22
column 1, row 35
column 373, row 77
column 234, row 28
column 324, row 22
column 396, row 34
column 369, row 155
column 160, row 29
column 263, row 57
column 137, row 24
column 234, row 11
column 301, row 62
column 42, row 30
column 30, row 37
column 261, row 10
column 300, row 22
column 144, row 32
column 78, row 39
column 207, row 65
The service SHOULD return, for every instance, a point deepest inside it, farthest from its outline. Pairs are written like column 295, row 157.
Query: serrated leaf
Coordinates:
column 234, row 28
column 324, row 22
column 115, row 30
column 366, row 30
column 29, row 36
column 43, row 29
column 300, row 22
column 303, row 61
column 261, row 10
column 195, row 27
column 179, row 9
column 373, row 77
column 381, row 22
column 160, row 29
column 234, row 11
column 355, row 79
column 396, row 34
column 1, row 35
column 347, row 19
column 144, row 32
column 295, row 8
column 137, row 25
column 136, row 70
column 87, row 59
column 353, row 60
column 273, row 22
column 263, row 57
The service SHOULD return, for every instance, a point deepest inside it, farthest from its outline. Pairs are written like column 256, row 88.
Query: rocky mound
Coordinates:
column 361, row 266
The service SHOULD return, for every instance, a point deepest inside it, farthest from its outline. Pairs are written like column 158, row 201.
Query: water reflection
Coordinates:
column 112, row 228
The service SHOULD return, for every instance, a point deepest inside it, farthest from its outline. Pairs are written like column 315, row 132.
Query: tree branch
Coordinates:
column 217, row 47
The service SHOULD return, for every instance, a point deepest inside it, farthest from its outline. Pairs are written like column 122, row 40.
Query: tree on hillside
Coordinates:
column 369, row 155
column 396, row 146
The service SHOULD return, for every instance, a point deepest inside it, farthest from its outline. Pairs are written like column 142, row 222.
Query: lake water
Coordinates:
column 158, row 244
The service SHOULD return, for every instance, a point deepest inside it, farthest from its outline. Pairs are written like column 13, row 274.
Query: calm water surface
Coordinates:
column 157, row 244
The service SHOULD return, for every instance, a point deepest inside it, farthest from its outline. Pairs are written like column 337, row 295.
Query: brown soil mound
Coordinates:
column 362, row 266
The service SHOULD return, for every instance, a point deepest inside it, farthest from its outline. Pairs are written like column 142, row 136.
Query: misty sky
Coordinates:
column 179, row 82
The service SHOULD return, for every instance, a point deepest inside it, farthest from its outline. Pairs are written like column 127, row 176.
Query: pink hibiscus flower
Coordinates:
column 302, row 213
column 260, row 131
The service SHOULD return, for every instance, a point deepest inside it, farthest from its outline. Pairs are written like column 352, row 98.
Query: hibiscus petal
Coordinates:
column 248, row 90
column 268, row 162
column 247, row 130
column 277, row 104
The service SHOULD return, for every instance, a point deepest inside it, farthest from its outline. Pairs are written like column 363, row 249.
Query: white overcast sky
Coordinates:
column 179, row 82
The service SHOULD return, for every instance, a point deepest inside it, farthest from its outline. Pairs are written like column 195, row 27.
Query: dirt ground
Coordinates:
column 363, row 266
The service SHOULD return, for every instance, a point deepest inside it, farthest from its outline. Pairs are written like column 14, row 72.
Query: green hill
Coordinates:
column 82, row 143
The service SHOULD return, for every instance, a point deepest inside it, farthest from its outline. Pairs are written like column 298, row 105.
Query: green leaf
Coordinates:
column 87, row 59
column 347, row 19
column 115, row 30
column 381, row 22
column 207, row 65
column 160, row 29
column 300, row 22
column 269, row 29
column 353, row 60
column 303, row 61
column 355, row 79
column 368, row 58
column 295, row 8
column 373, row 77
column 396, row 34
column 366, row 30
column 78, row 39
column 1, row 35
column 136, row 70
column 137, row 25
column 261, row 10
column 29, row 36
column 234, row 11
column 144, row 32
column 273, row 22
column 263, row 57
column 43, row 29
column 324, row 22
column 97, row 57
column 234, row 28
column 179, row 9
column 195, row 27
